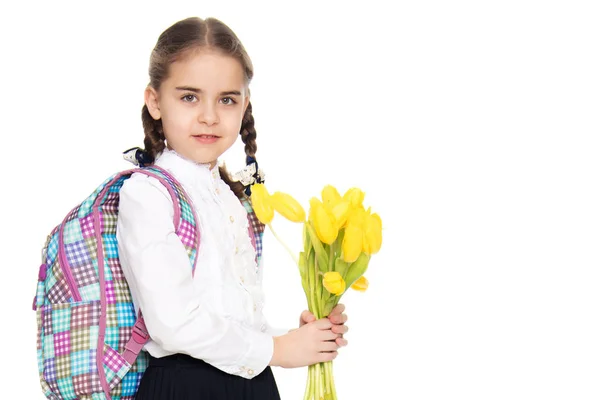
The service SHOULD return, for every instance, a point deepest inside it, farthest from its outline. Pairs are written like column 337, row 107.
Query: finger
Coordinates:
column 326, row 356
column 307, row 316
column 341, row 342
column 323, row 324
column 340, row 329
column 328, row 346
column 338, row 309
column 338, row 318
column 327, row 335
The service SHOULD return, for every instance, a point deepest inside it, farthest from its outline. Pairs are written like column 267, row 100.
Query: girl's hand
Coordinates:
column 336, row 317
column 310, row 344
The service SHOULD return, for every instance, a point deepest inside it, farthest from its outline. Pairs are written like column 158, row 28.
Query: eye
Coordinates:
column 228, row 101
column 189, row 98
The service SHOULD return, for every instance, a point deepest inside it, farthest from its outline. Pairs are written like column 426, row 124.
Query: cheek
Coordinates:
column 233, row 123
column 178, row 119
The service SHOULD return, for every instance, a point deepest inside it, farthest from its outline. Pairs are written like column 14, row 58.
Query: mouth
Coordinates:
column 204, row 138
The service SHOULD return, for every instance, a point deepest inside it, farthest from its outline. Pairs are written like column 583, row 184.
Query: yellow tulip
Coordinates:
column 324, row 223
column 334, row 283
column 355, row 196
column 352, row 245
column 287, row 206
column 260, row 200
column 372, row 236
column 361, row 284
column 313, row 205
column 330, row 196
column 340, row 212
column 357, row 216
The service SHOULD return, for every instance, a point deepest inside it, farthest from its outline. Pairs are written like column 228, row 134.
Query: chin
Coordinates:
column 204, row 160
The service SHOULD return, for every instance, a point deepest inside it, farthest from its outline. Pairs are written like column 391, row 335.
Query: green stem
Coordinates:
column 308, row 386
column 318, row 291
column 332, row 381
column 315, row 382
column 306, row 277
column 294, row 256
column 333, row 390
column 326, row 383
column 313, row 306
column 320, row 385
column 331, row 266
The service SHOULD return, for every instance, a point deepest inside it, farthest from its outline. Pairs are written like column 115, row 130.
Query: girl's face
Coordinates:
column 201, row 104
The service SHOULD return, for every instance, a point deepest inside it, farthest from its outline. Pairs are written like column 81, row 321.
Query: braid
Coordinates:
column 154, row 140
column 248, row 133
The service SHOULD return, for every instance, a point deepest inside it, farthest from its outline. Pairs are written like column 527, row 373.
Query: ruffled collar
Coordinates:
column 188, row 170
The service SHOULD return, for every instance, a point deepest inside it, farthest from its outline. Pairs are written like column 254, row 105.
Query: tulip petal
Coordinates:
column 372, row 238
column 334, row 283
column 340, row 212
column 288, row 207
column 324, row 224
column 330, row 196
column 260, row 203
column 352, row 245
column 355, row 196
column 361, row 284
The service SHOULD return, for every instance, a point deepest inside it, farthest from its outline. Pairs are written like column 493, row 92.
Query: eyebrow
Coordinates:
column 196, row 90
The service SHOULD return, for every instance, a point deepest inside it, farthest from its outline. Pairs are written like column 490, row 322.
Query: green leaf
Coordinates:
column 357, row 269
column 310, row 289
column 306, row 237
column 338, row 242
column 330, row 305
column 303, row 268
column 341, row 266
column 302, row 264
column 322, row 257
column 310, row 264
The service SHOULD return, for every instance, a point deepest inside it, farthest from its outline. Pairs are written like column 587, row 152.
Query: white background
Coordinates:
column 471, row 125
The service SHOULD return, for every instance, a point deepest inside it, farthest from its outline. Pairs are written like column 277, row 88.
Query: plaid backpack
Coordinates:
column 89, row 339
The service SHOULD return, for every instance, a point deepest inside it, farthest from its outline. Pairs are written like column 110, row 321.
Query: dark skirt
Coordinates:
column 181, row 377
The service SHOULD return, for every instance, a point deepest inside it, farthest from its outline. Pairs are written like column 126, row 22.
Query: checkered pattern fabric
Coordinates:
column 258, row 228
column 85, row 313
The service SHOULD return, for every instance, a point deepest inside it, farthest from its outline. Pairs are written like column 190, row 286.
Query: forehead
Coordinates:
column 207, row 70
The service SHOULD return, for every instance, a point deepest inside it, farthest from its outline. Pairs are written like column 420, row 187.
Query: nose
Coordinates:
column 208, row 114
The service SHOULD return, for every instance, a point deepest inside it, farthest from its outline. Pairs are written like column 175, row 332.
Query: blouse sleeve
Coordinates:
column 267, row 327
column 157, row 268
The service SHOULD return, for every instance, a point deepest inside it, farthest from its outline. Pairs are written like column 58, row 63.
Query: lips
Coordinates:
column 206, row 138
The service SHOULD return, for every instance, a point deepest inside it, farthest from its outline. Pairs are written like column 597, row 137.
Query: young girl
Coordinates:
column 209, row 337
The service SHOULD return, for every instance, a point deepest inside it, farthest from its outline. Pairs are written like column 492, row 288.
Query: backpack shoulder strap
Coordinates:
column 256, row 228
column 185, row 220
column 186, row 227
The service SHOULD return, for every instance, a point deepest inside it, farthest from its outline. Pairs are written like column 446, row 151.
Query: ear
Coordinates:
column 151, row 100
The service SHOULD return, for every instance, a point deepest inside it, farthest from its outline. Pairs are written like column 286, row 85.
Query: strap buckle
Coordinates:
column 139, row 332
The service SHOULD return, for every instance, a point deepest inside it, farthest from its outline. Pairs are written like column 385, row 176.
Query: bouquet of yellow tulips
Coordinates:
column 339, row 238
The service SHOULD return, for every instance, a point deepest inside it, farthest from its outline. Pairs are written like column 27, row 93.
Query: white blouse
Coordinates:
column 217, row 315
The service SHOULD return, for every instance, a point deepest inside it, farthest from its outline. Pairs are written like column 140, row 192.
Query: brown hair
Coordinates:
column 173, row 44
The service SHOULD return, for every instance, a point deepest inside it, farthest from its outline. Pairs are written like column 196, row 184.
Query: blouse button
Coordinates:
column 250, row 372
column 231, row 218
